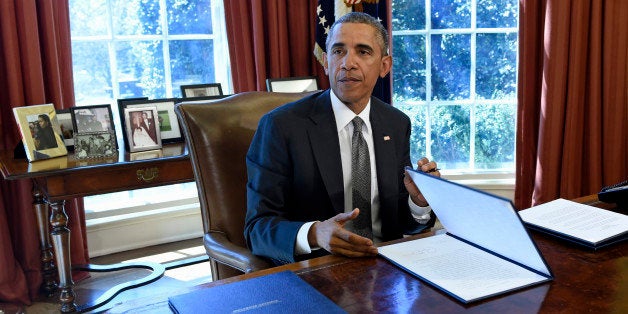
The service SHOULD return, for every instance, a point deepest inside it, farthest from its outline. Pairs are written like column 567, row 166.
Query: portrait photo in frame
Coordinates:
column 141, row 136
column 201, row 90
column 66, row 123
column 95, row 145
column 169, row 128
column 94, row 118
column 41, row 134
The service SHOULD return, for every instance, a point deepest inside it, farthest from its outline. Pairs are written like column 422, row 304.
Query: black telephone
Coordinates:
column 617, row 193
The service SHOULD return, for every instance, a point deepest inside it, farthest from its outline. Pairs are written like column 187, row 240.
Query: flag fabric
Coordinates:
column 327, row 11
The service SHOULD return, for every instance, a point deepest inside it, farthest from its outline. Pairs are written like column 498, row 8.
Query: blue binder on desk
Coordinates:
column 282, row 292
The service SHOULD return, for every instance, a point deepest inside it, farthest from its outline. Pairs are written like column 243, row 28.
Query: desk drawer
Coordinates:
column 114, row 179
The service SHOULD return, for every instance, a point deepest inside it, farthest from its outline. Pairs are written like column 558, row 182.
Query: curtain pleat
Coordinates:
column 572, row 130
column 35, row 68
column 271, row 39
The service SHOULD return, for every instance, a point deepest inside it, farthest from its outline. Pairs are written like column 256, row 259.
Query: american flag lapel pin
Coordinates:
column 386, row 138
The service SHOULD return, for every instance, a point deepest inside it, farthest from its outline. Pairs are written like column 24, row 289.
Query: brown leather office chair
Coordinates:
column 218, row 134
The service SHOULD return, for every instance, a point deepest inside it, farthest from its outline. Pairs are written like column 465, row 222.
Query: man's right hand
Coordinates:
column 334, row 238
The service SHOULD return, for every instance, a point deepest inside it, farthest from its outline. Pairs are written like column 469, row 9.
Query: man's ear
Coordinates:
column 325, row 63
column 386, row 66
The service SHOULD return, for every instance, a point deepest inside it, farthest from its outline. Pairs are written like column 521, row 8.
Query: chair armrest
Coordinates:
column 222, row 250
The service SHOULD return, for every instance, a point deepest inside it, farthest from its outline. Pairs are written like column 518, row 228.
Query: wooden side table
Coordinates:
column 58, row 179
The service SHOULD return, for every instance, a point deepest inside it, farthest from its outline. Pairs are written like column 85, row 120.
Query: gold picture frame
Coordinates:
column 40, row 130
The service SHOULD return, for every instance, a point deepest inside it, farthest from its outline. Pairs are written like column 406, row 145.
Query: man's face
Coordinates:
column 353, row 62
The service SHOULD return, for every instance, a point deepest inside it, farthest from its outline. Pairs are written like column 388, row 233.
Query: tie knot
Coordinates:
column 357, row 124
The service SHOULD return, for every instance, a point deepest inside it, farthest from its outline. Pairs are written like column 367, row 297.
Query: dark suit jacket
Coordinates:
column 295, row 174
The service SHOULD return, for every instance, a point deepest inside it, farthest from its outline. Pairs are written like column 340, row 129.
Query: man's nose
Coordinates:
column 349, row 61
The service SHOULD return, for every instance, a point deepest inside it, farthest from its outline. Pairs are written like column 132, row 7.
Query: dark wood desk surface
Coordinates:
column 585, row 281
column 58, row 179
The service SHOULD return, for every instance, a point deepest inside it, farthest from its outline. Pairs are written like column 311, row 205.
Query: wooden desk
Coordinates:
column 58, row 179
column 585, row 281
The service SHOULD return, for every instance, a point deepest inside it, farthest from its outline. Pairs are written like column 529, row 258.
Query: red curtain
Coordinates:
column 572, row 133
column 271, row 39
column 35, row 68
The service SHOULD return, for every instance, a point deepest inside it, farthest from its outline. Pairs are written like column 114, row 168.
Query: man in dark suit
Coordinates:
column 299, row 190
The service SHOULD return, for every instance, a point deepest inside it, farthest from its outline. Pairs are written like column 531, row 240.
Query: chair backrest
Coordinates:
column 218, row 134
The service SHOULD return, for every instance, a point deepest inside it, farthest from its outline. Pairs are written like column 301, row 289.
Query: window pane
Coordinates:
column 87, row 18
column 409, row 67
column 189, row 17
column 451, row 14
column 450, row 136
column 92, row 77
column 495, row 136
column 496, row 66
column 408, row 15
column 418, row 118
column 451, row 65
column 497, row 13
column 136, row 17
column 141, row 69
column 192, row 62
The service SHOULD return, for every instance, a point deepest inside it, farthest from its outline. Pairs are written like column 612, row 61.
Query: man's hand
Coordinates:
column 424, row 165
column 334, row 238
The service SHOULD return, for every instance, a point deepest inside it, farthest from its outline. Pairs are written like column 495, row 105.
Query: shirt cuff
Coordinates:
column 421, row 214
column 302, row 245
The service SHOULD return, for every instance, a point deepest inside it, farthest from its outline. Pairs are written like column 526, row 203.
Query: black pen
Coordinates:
column 432, row 170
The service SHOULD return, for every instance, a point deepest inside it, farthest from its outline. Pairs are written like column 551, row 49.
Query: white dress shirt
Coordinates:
column 343, row 116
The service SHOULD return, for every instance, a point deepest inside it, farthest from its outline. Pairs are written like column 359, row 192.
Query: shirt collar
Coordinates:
column 344, row 115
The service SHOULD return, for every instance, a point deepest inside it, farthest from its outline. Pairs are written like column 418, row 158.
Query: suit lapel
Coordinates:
column 385, row 154
column 324, row 139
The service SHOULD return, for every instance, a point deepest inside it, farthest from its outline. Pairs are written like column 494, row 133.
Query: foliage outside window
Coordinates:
column 455, row 75
column 145, row 48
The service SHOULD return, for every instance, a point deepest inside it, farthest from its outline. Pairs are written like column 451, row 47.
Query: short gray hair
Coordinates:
column 362, row 18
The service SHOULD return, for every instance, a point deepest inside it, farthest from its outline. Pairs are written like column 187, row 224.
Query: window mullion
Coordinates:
column 428, row 78
column 473, row 94
column 166, row 48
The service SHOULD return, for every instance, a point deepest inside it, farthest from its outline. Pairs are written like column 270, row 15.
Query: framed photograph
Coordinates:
column 166, row 120
column 201, row 90
column 96, row 118
column 66, row 123
column 292, row 84
column 41, row 134
column 141, row 134
column 95, row 145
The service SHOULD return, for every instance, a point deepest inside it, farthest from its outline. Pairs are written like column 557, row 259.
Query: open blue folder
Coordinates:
column 486, row 251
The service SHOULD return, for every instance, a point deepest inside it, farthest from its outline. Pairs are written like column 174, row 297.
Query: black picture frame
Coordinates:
column 93, row 118
column 201, row 90
column 169, row 127
column 292, row 84
column 66, row 123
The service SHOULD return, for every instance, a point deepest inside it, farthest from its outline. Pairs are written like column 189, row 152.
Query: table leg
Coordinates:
column 49, row 285
column 61, row 244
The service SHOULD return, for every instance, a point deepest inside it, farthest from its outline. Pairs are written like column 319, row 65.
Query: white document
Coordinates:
column 460, row 269
column 583, row 222
column 502, row 256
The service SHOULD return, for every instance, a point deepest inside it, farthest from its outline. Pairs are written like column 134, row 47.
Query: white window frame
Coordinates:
column 222, row 74
column 500, row 179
